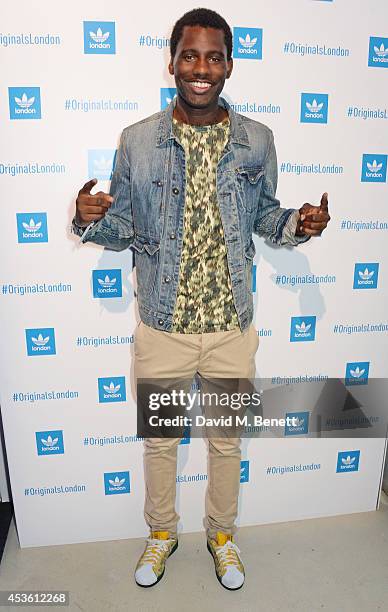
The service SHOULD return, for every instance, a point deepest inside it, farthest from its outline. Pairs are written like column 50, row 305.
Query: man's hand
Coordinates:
column 313, row 219
column 91, row 207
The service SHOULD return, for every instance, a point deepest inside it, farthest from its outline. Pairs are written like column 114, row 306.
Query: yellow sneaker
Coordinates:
column 150, row 567
column 227, row 561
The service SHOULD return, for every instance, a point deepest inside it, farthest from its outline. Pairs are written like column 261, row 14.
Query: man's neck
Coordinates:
column 198, row 116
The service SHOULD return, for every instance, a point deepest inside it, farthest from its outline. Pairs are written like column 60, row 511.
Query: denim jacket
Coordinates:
column 147, row 215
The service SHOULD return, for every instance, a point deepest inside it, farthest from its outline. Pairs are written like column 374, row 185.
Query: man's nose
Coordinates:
column 201, row 67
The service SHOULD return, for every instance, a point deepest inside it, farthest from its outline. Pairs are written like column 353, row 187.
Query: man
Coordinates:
column 190, row 186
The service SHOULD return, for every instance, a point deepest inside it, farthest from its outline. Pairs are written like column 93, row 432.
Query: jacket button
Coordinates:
column 175, row 190
column 159, row 183
column 173, row 235
column 167, row 279
column 160, row 322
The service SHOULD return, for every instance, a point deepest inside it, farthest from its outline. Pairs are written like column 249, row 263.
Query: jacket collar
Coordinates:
column 238, row 133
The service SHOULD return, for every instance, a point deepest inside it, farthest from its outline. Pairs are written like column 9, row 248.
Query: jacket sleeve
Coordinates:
column 273, row 222
column 115, row 230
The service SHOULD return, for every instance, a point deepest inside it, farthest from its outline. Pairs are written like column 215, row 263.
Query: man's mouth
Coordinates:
column 199, row 86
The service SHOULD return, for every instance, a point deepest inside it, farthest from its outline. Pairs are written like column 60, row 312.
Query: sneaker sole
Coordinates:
column 147, row 586
column 218, row 578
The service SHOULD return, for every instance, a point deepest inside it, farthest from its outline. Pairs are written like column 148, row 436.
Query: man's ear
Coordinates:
column 171, row 66
column 229, row 68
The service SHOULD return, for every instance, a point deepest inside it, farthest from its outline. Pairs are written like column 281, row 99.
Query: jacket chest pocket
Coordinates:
column 248, row 182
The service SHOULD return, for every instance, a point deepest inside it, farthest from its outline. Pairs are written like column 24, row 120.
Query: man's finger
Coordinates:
column 324, row 216
column 97, row 209
column 315, row 226
column 101, row 199
column 324, row 202
column 88, row 186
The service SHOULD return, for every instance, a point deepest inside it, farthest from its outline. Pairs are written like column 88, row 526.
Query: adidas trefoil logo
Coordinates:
column 374, row 167
column 112, row 388
column 31, row 226
column 348, row 461
column 50, row 442
column 381, row 51
column 357, row 373
column 98, row 36
column 247, row 42
column 366, row 275
column 314, row 107
column 107, row 282
column 103, row 165
column 303, row 328
column 40, row 341
column 24, row 101
column 117, row 482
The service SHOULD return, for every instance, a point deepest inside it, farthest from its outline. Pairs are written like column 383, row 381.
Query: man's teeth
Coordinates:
column 201, row 85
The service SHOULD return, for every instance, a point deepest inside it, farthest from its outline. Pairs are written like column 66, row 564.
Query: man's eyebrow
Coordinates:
column 215, row 51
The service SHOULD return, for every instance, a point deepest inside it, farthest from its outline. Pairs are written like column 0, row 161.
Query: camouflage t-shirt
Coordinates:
column 204, row 299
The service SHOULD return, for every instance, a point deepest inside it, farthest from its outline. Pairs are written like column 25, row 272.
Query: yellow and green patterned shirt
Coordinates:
column 204, row 300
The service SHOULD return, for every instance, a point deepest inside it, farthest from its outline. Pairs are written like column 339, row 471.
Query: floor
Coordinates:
column 335, row 564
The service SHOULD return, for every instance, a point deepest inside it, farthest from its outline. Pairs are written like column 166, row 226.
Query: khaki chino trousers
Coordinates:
column 226, row 354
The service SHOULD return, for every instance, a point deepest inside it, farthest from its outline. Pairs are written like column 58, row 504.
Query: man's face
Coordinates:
column 200, row 66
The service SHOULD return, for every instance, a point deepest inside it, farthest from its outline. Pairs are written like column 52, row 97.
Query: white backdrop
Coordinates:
column 73, row 76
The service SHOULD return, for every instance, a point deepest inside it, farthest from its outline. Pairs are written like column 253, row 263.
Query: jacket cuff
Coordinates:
column 78, row 230
column 289, row 230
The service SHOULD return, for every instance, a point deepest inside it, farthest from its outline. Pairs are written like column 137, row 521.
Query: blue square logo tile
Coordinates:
column 302, row 329
column 357, row 373
column 374, row 168
column 40, row 341
column 107, row 283
column 167, row 94
column 32, row 227
column 248, row 43
column 378, row 52
column 24, row 103
column 348, row 461
column 366, row 275
column 111, row 389
column 101, row 163
column 314, row 108
column 244, row 471
column 49, row 442
column 299, row 424
column 116, row 483
column 99, row 37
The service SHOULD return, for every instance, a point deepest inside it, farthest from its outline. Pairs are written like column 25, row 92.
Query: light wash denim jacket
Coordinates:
column 147, row 215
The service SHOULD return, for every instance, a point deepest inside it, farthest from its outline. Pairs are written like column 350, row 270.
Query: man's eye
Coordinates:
column 215, row 59
column 189, row 57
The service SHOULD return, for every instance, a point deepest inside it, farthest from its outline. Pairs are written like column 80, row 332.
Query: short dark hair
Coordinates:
column 206, row 19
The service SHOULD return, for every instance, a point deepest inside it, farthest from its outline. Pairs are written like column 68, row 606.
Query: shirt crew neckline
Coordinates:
column 202, row 128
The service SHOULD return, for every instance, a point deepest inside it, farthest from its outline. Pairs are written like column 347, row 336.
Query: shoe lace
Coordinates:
column 154, row 550
column 228, row 554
